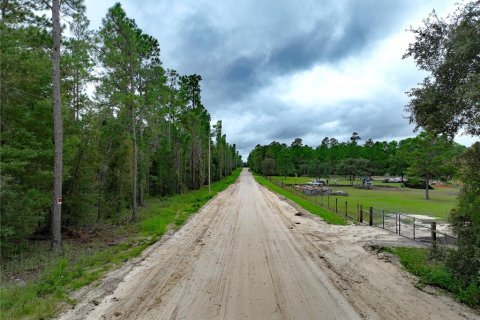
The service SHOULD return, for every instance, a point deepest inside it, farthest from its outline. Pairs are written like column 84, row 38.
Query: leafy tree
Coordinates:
column 465, row 219
column 355, row 167
column 297, row 143
column 268, row 166
column 448, row 101
column 26, row 151
column 369, row 142
column 355, row 138
column 428, row 157
column 285, row 164
column 325, row 143
column 398, row 160
column 448, row 50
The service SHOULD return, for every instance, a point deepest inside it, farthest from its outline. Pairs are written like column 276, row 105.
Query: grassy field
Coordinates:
column 306, row 204
column 402, row 200
column 396, row 199
column 37, row 283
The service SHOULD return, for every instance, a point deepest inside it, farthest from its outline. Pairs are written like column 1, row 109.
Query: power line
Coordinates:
column 23, row 91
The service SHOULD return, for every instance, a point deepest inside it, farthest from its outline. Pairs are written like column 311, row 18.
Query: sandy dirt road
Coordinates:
column 246, row 255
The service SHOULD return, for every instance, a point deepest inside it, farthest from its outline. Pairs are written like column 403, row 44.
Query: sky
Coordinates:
column 275, row 70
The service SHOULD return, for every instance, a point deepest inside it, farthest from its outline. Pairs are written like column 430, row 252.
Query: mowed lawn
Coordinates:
column 396, row 199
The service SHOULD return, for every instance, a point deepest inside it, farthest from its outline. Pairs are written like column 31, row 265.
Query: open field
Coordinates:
column 403, row 200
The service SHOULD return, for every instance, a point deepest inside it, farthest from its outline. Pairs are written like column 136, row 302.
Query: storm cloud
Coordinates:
column 277, row 70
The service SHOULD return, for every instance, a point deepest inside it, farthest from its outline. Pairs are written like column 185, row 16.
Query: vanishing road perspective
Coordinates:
column 250, row 254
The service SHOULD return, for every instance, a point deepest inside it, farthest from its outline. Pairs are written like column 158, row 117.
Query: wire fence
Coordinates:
column 406, row 225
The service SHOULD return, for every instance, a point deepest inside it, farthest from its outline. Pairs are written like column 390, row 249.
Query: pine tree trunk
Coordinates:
column 56, row 221
column 134, row 143
column 141, row 160
column 134, row 166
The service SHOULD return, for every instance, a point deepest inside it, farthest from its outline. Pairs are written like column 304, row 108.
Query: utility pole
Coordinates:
column 56, row 222
column 209, row 158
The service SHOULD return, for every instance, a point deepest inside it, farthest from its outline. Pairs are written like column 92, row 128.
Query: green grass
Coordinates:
column 44, row 294
column 403, row 200
column 436, row 273
column 293, row 180
column 328, row 216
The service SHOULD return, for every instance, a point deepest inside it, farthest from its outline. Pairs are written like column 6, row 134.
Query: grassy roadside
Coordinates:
column 434, row 272
column 328, row 216
column 42, row 294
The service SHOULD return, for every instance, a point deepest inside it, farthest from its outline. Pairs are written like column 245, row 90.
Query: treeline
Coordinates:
column 131, row 127
column 425, row 156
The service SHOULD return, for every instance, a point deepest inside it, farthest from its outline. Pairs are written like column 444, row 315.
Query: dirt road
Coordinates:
column 246, row 255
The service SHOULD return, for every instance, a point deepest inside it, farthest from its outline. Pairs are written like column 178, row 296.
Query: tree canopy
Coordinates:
column 448, row 99
column 144, row 131
column 412, row 155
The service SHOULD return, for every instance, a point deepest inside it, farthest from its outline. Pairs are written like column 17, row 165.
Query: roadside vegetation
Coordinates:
column 308, row 205
column 37, row 283
column 431, row 269
column 129, row 159
column 144, row 131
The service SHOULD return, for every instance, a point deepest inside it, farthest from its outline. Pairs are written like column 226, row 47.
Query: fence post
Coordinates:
column 370, row 217
column 399, row 224
column 336, row 205
column 413, row 228
column 328, row 201
column 396, row 223
column 360, row 217
column 433, row 229
column 383, row 219
column 346, row 208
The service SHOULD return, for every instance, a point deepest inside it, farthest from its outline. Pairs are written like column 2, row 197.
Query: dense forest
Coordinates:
column 132, row 128
column 424, row 156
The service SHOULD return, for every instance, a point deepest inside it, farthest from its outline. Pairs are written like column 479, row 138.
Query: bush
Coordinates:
column 436, row 272
column 465, row 220
column 416, row 183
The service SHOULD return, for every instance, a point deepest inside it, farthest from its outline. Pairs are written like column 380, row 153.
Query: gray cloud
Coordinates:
column 242, row 47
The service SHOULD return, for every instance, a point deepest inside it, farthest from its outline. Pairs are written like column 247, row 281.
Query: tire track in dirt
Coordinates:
column 244, row 255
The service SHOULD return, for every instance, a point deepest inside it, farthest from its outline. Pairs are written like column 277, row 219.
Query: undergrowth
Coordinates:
column 42, row 295
column 432, row 271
